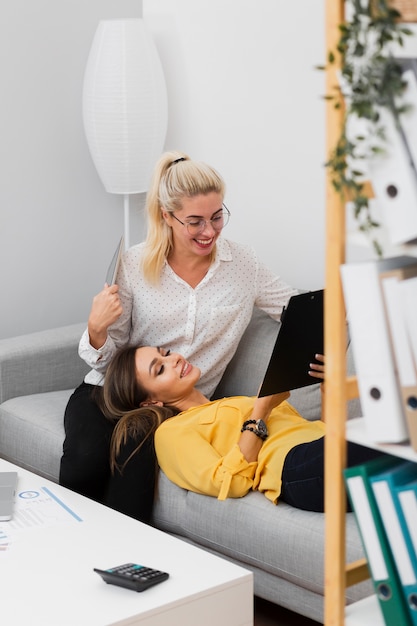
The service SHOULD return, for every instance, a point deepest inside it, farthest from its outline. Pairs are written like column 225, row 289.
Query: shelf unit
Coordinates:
column 339, row 388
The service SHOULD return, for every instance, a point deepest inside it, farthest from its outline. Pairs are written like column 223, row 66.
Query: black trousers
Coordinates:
column 303, row 473
column 85, row 466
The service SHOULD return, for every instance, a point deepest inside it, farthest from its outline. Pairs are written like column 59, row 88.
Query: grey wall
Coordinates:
column 243, row 95
column 58, row 226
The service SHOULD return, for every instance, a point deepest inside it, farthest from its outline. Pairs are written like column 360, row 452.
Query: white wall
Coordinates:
column 243, row 96
column 58, row 226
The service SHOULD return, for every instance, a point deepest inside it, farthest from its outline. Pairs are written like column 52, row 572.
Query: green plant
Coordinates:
column 371, row 79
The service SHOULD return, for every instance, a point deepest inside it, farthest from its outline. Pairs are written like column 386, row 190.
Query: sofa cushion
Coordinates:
column 32, row 431
column 287, row 542
column 42, row 361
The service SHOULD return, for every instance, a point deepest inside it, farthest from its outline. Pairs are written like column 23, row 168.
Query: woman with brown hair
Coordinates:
column 222, row 448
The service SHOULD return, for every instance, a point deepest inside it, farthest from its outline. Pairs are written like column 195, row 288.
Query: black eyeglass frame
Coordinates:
column 187, row 224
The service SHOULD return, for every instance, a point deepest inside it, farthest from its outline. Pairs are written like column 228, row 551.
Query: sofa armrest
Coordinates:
column 41, row 361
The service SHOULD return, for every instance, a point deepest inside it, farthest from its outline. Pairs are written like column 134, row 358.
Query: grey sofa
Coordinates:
column 283, row 546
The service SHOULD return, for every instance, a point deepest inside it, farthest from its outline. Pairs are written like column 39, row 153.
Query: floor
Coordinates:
column 268, row 614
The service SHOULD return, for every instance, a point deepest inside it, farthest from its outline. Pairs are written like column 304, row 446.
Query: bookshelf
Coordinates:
column 339, row 388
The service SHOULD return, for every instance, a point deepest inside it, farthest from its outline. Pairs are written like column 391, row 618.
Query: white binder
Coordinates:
column 408, row 290
column 393, row 176
column 392, row 287
column 377, row 375
column 408, row 128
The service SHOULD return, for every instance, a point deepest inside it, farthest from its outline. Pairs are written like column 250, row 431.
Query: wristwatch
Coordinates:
column 259, row 429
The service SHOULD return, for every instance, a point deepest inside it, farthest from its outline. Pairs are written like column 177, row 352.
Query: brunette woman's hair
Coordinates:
column 120, row 400
column 175, row 177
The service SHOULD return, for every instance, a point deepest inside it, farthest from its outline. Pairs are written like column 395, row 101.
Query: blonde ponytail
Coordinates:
column 175, row 177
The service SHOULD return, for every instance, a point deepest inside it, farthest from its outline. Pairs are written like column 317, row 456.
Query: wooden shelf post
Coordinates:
column 335, row 350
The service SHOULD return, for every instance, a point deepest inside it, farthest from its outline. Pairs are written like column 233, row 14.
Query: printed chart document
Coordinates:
column 34, row 508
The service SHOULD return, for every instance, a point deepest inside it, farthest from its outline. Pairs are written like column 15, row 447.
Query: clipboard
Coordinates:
column 300, row 338
column 115, row 262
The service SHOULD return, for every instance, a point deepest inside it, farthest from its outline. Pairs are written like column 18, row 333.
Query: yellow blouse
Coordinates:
column 197, row 449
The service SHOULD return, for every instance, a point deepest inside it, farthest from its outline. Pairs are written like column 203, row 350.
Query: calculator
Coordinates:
column 132, row 576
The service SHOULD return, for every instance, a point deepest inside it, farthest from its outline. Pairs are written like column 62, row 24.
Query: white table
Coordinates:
column 47, row 577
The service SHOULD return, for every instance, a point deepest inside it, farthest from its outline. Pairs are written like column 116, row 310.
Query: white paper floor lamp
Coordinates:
column 125, row 108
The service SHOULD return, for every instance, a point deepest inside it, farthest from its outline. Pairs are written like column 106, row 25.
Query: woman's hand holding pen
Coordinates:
column 105, row 310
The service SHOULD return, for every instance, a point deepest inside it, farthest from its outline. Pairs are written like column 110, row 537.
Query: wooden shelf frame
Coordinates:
column 339, row 389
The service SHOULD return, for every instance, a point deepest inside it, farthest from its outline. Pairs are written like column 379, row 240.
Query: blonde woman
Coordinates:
column 185, row 287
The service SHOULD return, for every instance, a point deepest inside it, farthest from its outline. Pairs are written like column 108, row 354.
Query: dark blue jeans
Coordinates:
column 303, row 473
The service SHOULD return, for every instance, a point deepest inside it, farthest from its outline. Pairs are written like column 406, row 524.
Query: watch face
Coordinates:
column 261, row 428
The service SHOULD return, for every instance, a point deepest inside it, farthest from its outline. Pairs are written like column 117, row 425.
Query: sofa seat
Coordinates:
column 277, row 542
column 283, row 546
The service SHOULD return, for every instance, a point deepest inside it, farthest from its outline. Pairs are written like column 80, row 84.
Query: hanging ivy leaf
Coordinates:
column 373, row 80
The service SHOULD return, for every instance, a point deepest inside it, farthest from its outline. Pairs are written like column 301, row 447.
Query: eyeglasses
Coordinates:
column 196, row 226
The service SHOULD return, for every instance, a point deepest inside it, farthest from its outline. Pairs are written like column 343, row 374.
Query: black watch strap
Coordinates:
column 259, row 430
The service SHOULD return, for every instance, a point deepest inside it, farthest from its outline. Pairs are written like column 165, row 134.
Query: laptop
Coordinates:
column 300, row 338
column 8, row 481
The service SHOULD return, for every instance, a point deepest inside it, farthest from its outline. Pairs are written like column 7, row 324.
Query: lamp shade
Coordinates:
column 124, row 105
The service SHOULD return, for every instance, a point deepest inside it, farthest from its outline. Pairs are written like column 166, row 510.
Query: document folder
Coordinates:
column 394, row 182
column 393, row 289
column 384, row 488
column 377, row 374
column 385, row 579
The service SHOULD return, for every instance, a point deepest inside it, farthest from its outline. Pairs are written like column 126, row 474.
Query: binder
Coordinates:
column 406, row 499
column 388, row 588
column 401, row 345
column 408, row 120
column 384, row 488
column 408, row 292
column 394, row 179
column 379, row 387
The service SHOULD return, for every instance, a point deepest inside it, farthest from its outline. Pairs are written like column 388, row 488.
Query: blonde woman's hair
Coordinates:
column 175, row 177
